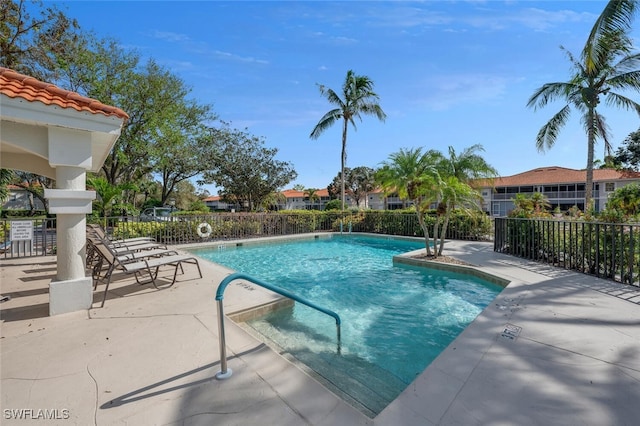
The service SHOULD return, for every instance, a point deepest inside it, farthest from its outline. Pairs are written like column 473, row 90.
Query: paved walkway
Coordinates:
column 555, row 348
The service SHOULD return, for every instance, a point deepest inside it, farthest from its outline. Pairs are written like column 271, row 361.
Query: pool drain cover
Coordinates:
column 511, row 332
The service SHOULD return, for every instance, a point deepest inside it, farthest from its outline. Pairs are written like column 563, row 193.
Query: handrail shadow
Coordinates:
column 139, row 394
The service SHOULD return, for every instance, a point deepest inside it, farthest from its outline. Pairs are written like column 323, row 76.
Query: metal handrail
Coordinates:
column 225, row 372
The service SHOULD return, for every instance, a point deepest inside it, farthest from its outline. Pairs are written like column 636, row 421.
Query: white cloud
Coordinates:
column 235, row 57
column 447, row 91
column 170, row 36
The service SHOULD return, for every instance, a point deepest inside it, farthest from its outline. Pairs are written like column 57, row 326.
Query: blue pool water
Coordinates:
column 396, row 319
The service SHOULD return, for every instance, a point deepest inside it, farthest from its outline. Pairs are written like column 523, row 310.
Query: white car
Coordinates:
column 158, row 214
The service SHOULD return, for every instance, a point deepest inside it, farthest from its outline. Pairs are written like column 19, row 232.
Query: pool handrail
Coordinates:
column 225, row 372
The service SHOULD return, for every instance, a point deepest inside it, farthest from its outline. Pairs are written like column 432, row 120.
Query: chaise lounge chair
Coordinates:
column 139, row 264
column 99, row 231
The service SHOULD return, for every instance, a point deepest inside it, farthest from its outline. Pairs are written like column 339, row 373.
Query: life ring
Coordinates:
column 204, row 230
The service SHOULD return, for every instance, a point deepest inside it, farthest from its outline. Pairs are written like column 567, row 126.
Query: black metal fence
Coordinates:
column 605, row 250
column 230, row 226
column 27, row 237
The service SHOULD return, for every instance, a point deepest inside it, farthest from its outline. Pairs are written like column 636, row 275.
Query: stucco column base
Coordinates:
column 70, row 296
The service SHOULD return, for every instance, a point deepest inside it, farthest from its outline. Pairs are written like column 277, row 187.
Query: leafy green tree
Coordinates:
column 182, row 196
column 246, row 171
column 35, row 43
column 628, row 155
column 198, row 206
column 360, row 181
column 414, row 175
column 358, row 98
column 606, row 69
column 334, row 205
column 334, row 187
column 625, row 200
column 184, row 148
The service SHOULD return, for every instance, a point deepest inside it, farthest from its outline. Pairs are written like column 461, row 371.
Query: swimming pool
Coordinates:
column 396, row 319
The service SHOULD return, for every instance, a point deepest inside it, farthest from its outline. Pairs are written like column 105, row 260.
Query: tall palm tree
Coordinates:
column 413, row 175
column 358, row 98
column 606, row 65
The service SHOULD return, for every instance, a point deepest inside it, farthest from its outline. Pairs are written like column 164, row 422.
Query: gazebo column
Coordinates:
column 71, row 290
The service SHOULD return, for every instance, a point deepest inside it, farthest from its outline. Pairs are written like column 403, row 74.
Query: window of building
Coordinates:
column 526, row 189
column 485, row 193
column 609, row 186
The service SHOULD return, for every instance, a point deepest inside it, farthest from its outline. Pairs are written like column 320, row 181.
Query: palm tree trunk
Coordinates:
column 343, row 159
column 443, row 232
column 590, row 148
column 423, row 225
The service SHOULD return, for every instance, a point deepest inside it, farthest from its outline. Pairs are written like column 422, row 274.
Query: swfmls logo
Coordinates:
column 35, row 414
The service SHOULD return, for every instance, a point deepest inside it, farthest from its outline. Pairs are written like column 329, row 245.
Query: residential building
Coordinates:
column 562, row 187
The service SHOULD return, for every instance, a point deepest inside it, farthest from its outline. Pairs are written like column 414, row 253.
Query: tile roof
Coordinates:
column 16, row 85
column 554, row 174
column 292, row 193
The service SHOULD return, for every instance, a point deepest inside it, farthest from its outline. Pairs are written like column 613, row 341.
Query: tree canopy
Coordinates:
column 246, row 171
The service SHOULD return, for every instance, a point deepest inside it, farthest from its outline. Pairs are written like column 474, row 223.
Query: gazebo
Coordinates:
column 59, row 134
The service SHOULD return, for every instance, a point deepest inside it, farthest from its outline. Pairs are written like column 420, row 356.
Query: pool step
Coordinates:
column 358, row 381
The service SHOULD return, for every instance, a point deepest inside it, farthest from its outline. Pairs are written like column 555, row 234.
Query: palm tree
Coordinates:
column 107, row 195
column 312, row 194
column 458, row 173
column 469, row 165
column 413, row 175
column 358, row 98
column 606, row 65
column 454, row 193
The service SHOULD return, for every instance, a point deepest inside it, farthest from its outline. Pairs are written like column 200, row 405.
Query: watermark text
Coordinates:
column 36, row 414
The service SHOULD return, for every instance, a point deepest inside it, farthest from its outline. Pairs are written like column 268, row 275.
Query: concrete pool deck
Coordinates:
column 554, row 348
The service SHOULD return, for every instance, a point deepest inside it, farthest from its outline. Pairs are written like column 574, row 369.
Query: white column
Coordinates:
column 70, row 154
column 71, row 229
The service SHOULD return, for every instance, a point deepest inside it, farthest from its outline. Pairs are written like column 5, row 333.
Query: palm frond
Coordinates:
column 550, row 92
column 548, row 134
column 617, row 100
column 625, row 81
column 616, row 17
column 325, row 122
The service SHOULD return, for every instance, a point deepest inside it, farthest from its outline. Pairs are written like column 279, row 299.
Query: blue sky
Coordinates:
column 448, row 73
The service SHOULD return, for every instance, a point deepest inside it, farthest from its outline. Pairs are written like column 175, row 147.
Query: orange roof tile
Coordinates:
column 291, row 193
column 557, row 175
column 16, row 85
